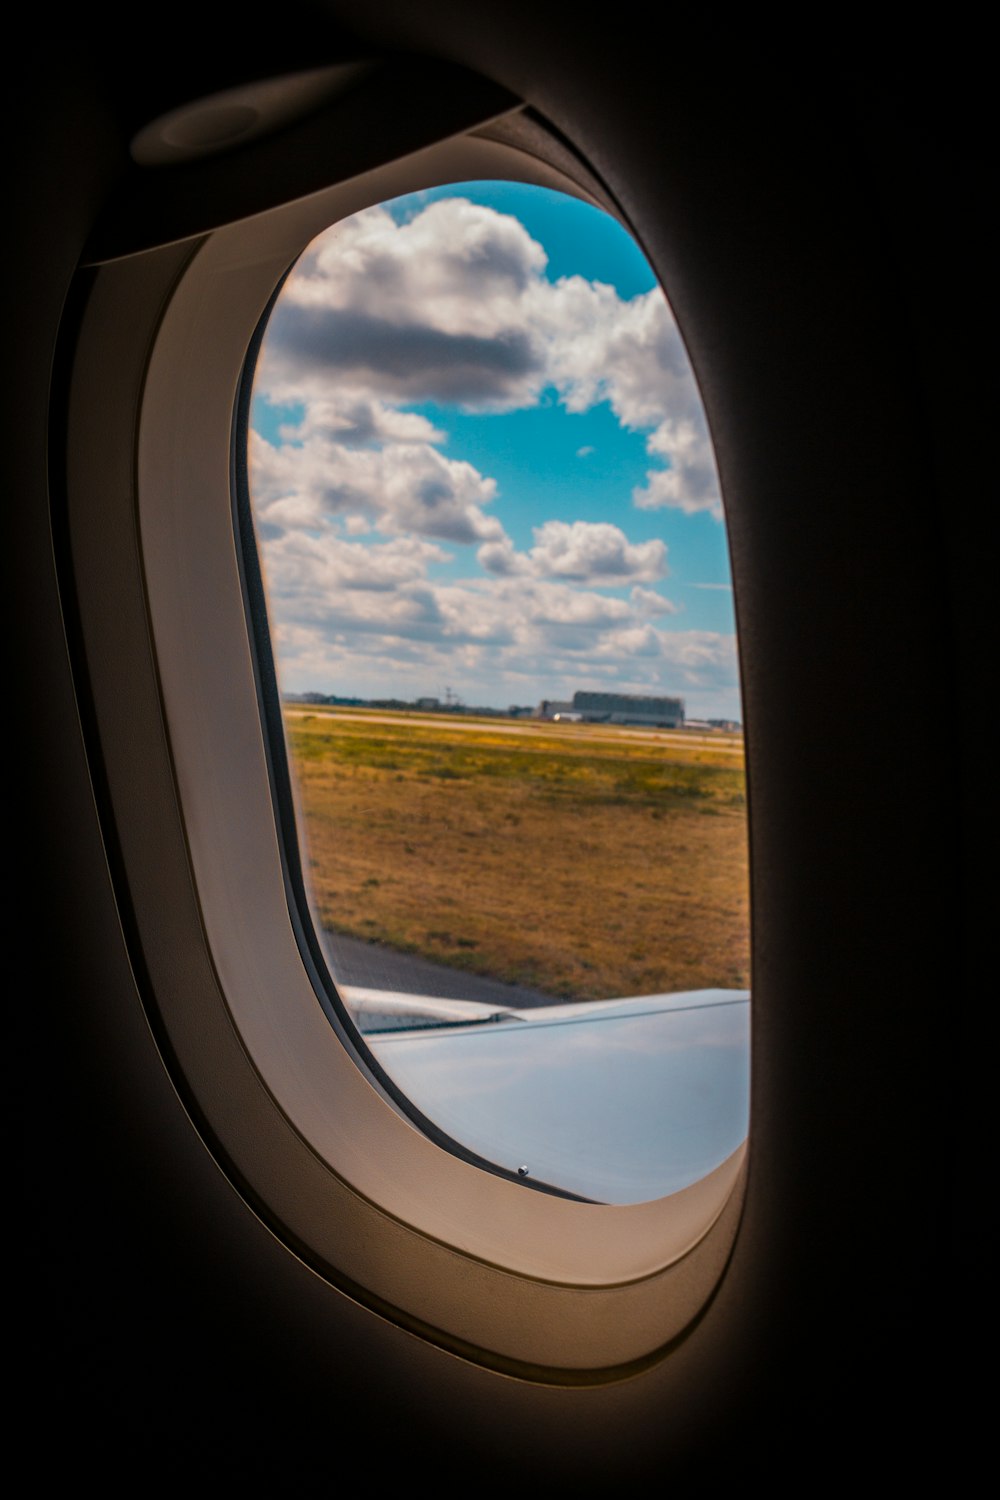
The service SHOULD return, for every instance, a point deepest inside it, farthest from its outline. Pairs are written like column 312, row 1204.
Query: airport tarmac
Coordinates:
column 375, row 966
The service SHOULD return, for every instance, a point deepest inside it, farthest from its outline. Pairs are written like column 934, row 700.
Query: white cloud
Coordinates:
column 404, row 487
column 630, row 353
column 306, row 575
column 501, row 559
column 464, row 640
column 691, row 482
column 360, row 422
column 431, row 309
column 367, row 619
column 454, row 306
column 452, row 256
column 593, row 552
column 650, row 604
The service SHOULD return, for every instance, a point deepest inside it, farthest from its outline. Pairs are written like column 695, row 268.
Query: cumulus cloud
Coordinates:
column 501, row 559
column 358, row 421
column 433, row 309
column 358, row 602
column 596, row 552
column 451, row 253
column 691, row 482
column 453, row 306
column 407, row 361
column 650, row 604
column 363, row 514
column 404, row 487
column 305, row 573
column 593, row 552
column 630, row 354
column 489, row 635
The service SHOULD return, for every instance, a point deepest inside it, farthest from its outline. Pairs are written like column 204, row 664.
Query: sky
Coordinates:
column 479, row 463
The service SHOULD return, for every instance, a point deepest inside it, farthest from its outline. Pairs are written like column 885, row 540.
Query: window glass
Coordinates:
column 491, row 534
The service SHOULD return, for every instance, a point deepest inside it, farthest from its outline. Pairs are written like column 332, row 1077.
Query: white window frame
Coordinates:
column 517, row 1279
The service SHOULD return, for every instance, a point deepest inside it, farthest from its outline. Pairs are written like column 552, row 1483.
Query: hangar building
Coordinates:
column 629, row 708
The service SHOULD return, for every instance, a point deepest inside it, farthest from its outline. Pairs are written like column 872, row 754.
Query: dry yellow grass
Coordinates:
column 583, row 865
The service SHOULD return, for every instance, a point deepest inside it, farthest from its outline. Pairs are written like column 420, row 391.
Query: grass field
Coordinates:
column 582, row 861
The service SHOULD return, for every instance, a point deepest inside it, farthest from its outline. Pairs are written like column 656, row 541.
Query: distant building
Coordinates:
column 329, row 699
column 550, row 708
column 628, row 708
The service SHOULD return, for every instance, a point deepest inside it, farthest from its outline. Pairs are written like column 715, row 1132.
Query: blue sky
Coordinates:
column 480, row 461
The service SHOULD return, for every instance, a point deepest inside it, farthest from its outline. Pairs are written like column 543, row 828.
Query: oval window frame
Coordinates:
column 538, row 1285
column 418, row 1106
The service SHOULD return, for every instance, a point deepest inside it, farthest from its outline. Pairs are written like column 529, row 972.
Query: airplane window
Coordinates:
column 491, row 534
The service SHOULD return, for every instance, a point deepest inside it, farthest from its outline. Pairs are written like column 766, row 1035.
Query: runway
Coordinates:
column 374, row 966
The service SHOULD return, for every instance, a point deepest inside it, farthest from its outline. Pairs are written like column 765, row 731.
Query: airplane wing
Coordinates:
column 619, row 1101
